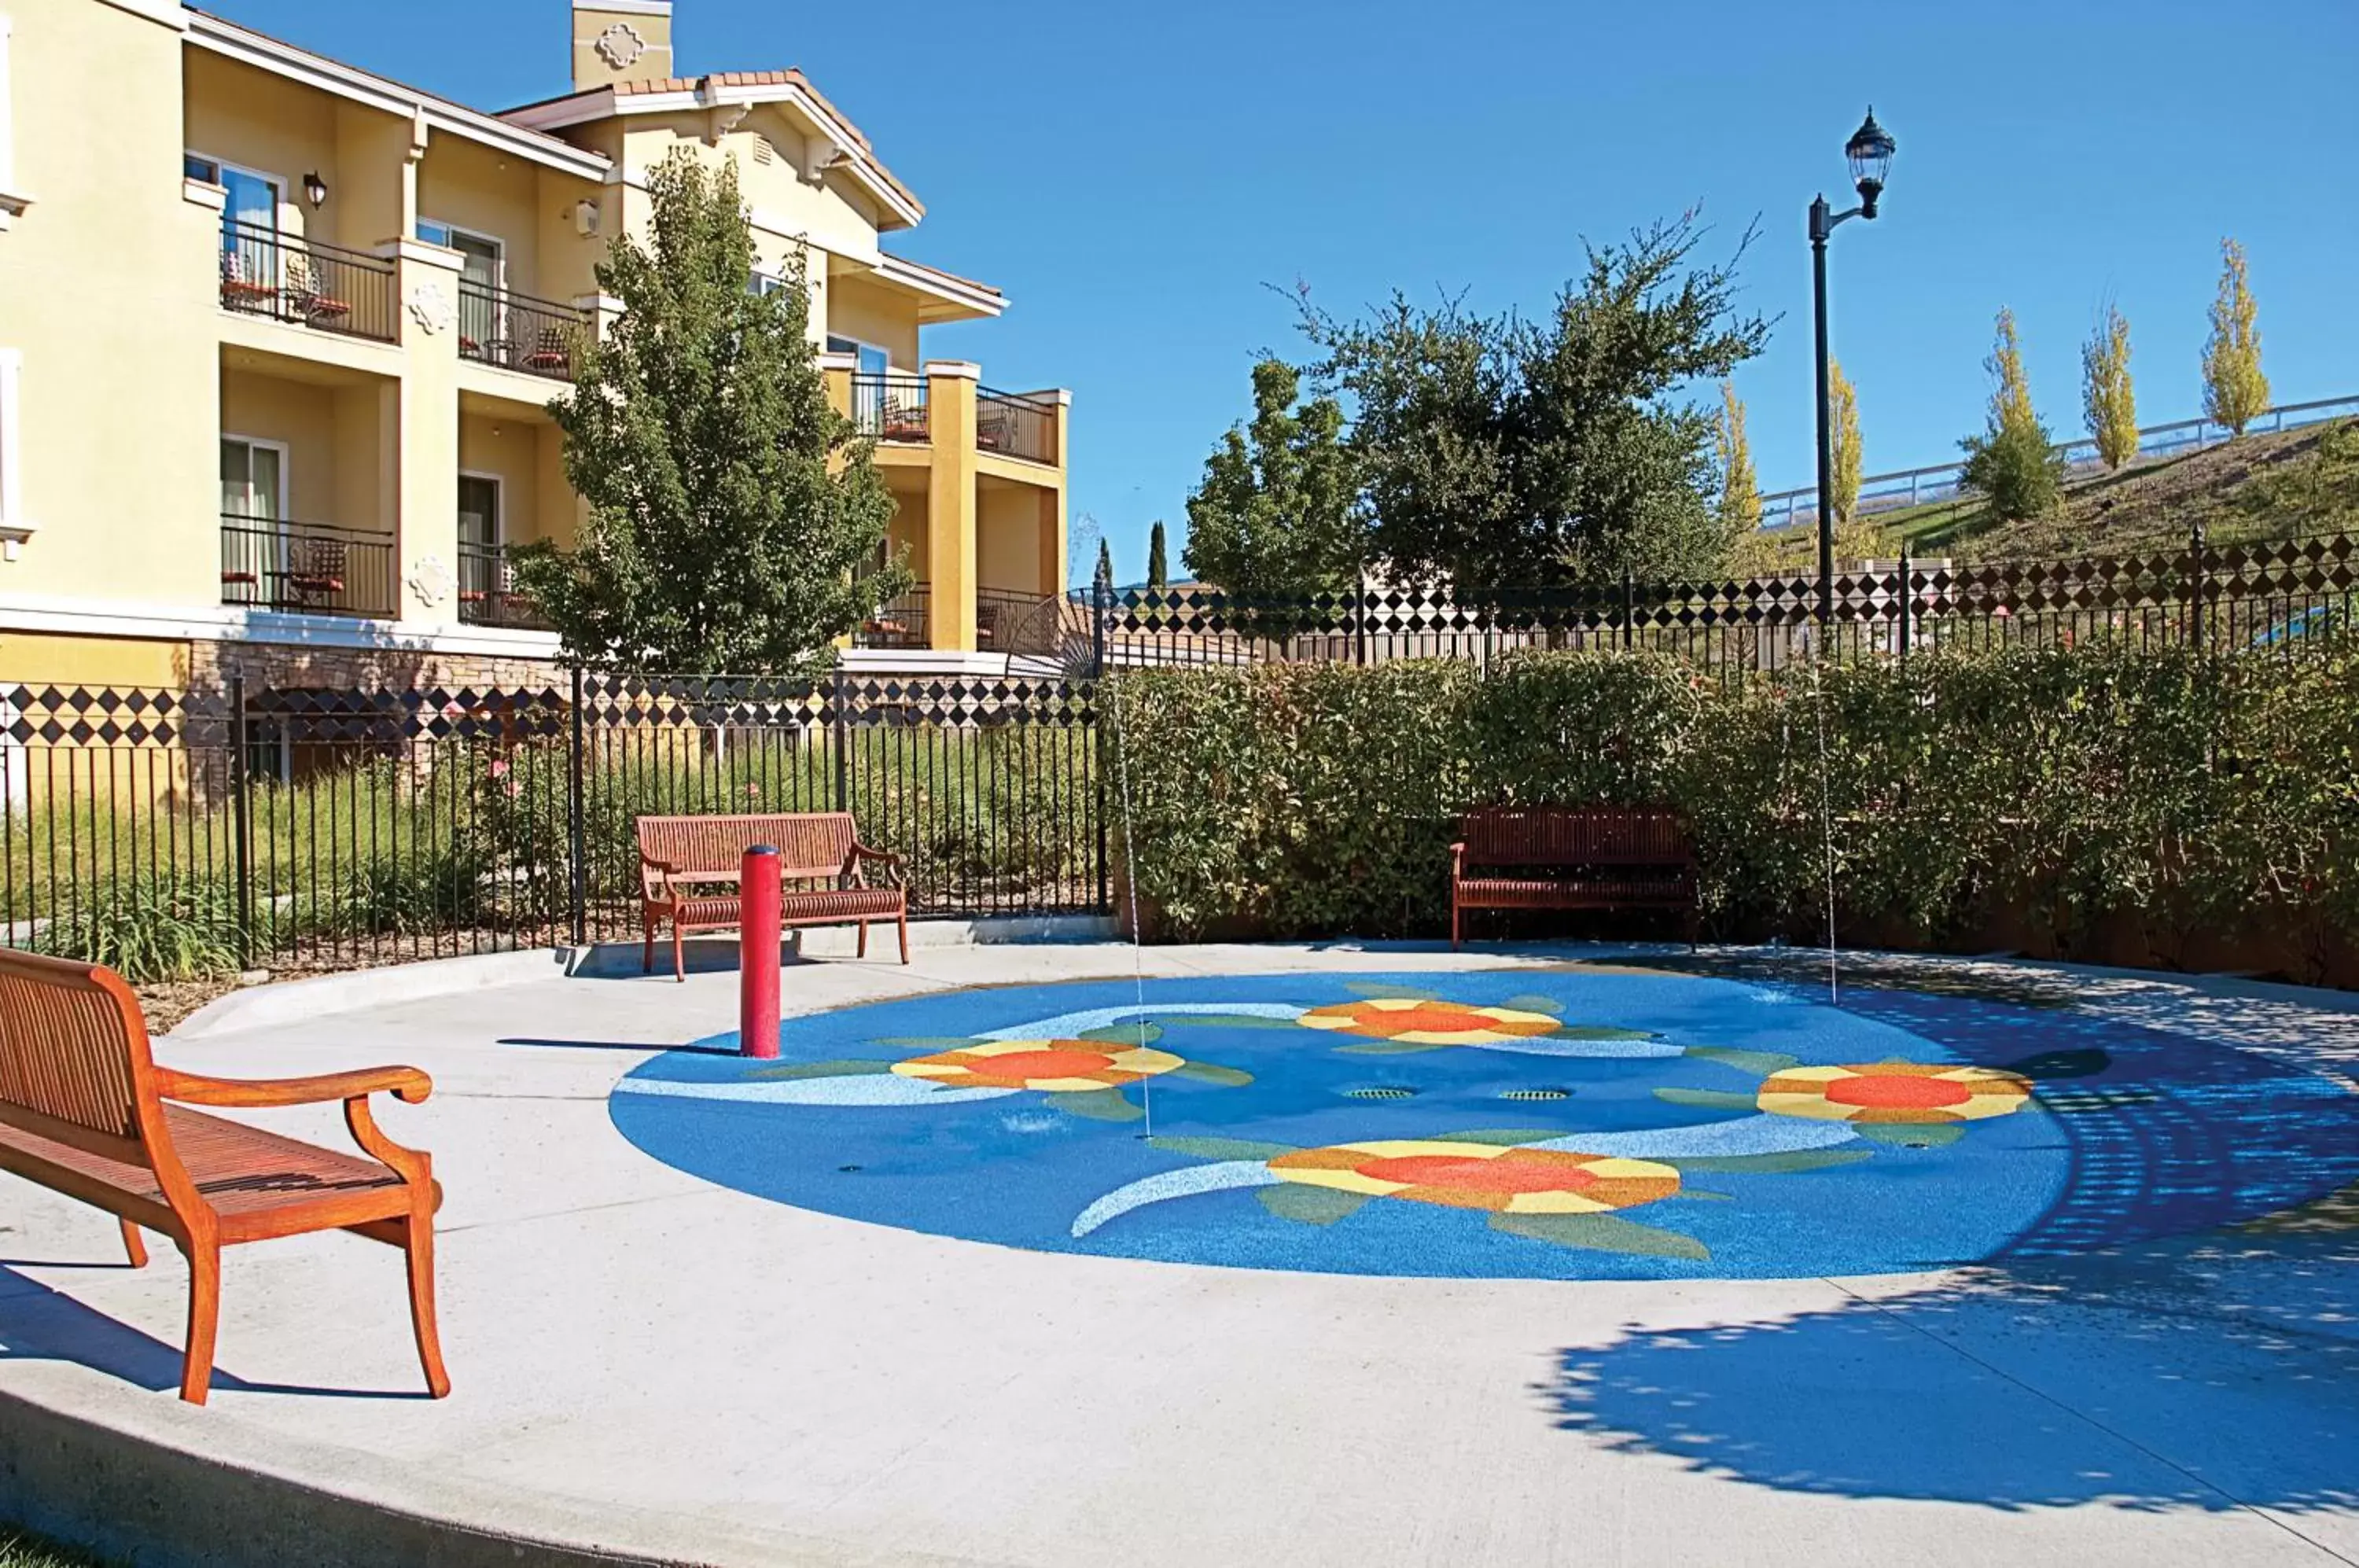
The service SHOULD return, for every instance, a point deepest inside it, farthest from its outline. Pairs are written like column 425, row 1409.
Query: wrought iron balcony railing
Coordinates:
column 516, row 332
column 897, row 623
column 307, row 282
column 488, row 590
column 1016, row 425
column 890, row 406
column 311, row 568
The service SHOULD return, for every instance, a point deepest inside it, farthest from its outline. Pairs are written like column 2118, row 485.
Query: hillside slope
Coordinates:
column 2257, row 488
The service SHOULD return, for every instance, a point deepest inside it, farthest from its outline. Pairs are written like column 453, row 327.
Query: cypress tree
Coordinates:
column 1158, row 568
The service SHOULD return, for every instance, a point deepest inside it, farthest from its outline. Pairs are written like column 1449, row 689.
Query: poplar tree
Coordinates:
column 2107, row 399
column 2012, row 462
column 2234, row 390
column 1158, row 566
column 1740, row 491
column 1842, row 419
column 735, row 519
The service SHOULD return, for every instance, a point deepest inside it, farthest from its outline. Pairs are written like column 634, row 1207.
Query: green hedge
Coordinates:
column 2039, row 794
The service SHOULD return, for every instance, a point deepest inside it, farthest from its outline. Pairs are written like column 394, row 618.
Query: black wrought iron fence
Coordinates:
column 2277, row 597
column 308, row 282
column 170, row 832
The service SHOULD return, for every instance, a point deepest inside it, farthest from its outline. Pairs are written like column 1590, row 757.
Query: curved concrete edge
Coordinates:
column 214, row 1494
column 291, row 1001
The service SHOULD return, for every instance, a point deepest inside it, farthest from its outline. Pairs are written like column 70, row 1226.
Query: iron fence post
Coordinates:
column 1360, row 615
column 576, row 851
column 241, row 819
column 1908, row 598
column 1097, row 628
column 2197, row 575
column 1629, row 607
column 839, row 722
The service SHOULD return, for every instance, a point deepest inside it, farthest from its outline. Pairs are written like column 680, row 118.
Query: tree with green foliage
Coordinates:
column 734, row 520
column 2234, row 390
column 2013, row 463
column 1740, row 491
column 1500, row 454
column 2108, row 401
column 1842, row 423
column 1275, row 516
column 1158, row 563
column 1105, row 578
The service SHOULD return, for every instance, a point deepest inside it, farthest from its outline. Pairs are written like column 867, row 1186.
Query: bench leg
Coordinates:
column 1454, row 923
column 678, row 953
column 204, row 1318
column 417, row 1246
column 904, row 923
column 861, row 950
column 134, row 1245
column 647, row 949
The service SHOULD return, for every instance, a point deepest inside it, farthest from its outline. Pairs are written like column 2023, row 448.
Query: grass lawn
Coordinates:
column 18, row 1549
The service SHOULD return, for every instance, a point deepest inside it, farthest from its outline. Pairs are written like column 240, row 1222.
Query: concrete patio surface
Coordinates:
column 650, row 1369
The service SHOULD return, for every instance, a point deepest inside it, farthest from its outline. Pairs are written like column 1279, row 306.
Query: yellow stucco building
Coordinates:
column 277, row 337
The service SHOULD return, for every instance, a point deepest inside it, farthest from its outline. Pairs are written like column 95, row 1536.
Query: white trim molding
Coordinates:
column 12, row 201
column 627, row 8
column 942, row 285
column 953, row 369
column 216, row 623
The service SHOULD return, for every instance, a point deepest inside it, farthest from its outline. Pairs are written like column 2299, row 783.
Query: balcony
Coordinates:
column 306, row 283
column 1016, row 425
column 516, row 332
column 311, row 569
column 891, row 406
column 898, row 623
column 488, row 590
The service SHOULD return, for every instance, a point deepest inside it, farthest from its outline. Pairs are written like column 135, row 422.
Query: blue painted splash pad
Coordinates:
column 1563, row 1123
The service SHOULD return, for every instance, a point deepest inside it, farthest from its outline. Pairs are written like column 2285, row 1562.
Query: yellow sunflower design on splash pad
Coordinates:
column 1917, row 1105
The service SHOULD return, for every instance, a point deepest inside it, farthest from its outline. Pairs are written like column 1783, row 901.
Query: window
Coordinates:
column 483, row 269
column 13, row 523
column 253, row 479
column 764, row 282
column 249, row 222
column 479, row 512
column 874, row 361
column 196, row 167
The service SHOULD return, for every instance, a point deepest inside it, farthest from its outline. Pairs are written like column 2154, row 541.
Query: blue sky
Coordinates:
column 1134, row 177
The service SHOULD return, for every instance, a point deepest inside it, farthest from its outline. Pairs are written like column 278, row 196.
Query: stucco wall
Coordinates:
column 508, row 450
column 107, row 289
column 885, row 317
column 1007, row 541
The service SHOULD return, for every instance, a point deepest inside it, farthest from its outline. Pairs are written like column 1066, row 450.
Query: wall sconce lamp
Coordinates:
column 315, row 190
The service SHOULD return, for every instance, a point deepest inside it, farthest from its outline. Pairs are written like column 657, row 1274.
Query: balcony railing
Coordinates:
column 997, row 613
column 539, row 337
column 1016, row 425
column 270, row 564
column 897, row 623
column 311, row 284
column 488, row 590
column 890, row 406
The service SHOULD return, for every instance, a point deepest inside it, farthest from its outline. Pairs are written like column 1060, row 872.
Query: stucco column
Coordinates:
column 426, row 537
column 1052, row 501
column 837, row 369
column 950, row 504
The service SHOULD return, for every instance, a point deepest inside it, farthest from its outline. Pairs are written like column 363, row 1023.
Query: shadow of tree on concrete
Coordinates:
column 2209, row 1372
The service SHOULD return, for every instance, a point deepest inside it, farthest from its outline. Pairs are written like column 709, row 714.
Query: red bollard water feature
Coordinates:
column 757, row 954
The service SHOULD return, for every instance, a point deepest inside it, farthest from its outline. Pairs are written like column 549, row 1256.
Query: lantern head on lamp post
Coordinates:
column 1869, row 152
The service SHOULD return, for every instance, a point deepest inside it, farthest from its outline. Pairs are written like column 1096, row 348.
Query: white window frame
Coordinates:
column 14, row 526
column 281, row 205
column 499, row 483
column 285, row 475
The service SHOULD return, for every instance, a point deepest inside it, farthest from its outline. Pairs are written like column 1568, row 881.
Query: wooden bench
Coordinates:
column 681, row 856
column 1572, row 857
column 85, row 1111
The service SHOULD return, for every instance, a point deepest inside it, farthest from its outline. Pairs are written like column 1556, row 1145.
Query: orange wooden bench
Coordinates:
column 85, row 1111
column 681, row 856
column 1572, row 857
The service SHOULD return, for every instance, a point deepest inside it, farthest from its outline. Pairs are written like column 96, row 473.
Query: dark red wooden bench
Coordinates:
column 1572, row 857
column 688, row 868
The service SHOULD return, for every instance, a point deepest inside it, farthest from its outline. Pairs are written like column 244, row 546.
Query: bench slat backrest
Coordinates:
column 809, row 843
column 73, row 1057
column 1577, row 835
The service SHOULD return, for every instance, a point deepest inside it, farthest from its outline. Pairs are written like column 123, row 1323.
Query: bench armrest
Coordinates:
column 1458, row 859
column 658, row 888
column 406, row 1084
column 850, row 871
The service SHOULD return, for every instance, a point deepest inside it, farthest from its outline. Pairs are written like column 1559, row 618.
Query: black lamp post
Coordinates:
column 1870, row 151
